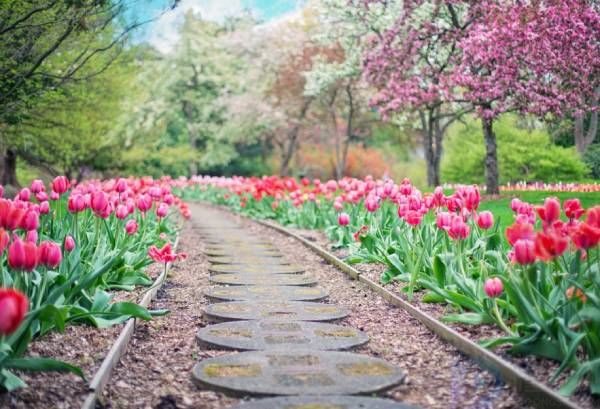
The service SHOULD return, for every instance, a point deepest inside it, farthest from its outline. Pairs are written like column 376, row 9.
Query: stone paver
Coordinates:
column 263, row 279
column 275, row 310
column 265, row 293
column 323, row 402
column 255, row 269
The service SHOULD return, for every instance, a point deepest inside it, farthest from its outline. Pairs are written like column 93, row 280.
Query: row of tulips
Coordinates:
column 64, row 247
column 538, row 281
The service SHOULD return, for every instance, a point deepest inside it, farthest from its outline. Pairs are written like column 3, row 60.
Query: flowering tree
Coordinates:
column 537, row 58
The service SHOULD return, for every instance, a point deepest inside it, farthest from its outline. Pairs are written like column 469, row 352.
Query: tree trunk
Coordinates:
column 290, row 149
column 491, row 157
column 349, row 125
column 438, row 136
column 8, row 169
column 427, row 126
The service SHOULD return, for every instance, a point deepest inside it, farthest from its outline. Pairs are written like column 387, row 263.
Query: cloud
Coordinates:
column 164, row 33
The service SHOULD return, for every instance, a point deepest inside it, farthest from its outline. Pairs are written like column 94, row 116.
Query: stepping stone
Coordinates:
column 255, row 269
column 263, row 279
column 235, row 242
column 275, row 310
column 302, row 372
column 247, row 259
column 229, row 251
column 261, row 335
column 323, row 402
column 262, row 293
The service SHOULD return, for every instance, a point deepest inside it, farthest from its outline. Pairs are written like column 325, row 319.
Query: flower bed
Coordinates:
column 64, row 252
column 537, row 282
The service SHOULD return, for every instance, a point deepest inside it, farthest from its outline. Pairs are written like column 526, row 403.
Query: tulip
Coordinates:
column 472, row 198
column 343, row 219
column 54, row 195
column 24, row 194
column 550, row 245
column 131, row 227
column 37, row 186
column 413, row 218
column 98, row 202
column 76, row 203
column 550, row 211
column 121, row 212
column 459, row 230
column 515, row 205
column 585, row 236
column 31, row 236
column 443, row 220
column 13, row 307
column 485, row 220
column 60, row 185
column 41, row 197
column 371, row 204
column 493, row 287
column 162, row 210
column 573, row 292
column 69, row 244
column 121, row 185
column 519, row 231
column 524, row 251
column 44, row 208
column 593, row 217
column 22, row 255
column 4, row 239
column 15, row 218
column 31, row 220
column 573, row 209
column 144, row 203
column 50, row 254
column 1, row 191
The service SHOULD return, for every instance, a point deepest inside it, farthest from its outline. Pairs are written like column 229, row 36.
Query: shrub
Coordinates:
column 523, row 155
column 592, row 159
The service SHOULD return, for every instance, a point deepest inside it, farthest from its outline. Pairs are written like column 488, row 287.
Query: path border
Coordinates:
column 119, row 347
column 535, row 392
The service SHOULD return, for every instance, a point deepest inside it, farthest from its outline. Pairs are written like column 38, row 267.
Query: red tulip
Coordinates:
column 413, row 218
column 550, row 211
column 60, row 185
column 31, row 236
column 519, row 231
column 472, row 198
column 50, row 254
column 585, row 236
column 524, row 251
column 573, row 209
column 164, row 255
column 13, row 307
column 343, row 219
column 69, row 244
column 131, row 227
column 15, row 218
column 550, row 245
column 4, row 239
column 485, row 220
column 493, row 287
column 22, row 255
column 593, row 217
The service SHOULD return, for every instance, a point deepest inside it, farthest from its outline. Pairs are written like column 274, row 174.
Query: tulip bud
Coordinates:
column 343, row 219
column 99, row 202
column 24, row 194
column 485, row 220
column 31, row 220
column 121, row 212
column 31, row 236
column 13, row 307
column 41, row 196
column 162, row 210
column 493, row 287
column 131, row 227
column 121, row 185
column 524, row 251
column 54, row 195
column 69, row 244
column 44, row 208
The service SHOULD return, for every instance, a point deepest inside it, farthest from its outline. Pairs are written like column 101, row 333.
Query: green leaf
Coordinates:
column 471, row 318
column 130, row 309
column 433, row 298
column 10, row 381
column 439, row 270
column 42, row 364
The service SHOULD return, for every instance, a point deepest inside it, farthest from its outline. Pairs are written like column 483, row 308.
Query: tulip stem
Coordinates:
column 499, row 319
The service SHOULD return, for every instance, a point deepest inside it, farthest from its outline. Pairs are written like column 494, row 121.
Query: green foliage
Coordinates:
column 523, row 154
column 592, row 158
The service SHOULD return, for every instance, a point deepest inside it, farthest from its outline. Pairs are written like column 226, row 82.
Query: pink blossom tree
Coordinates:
column 535, row 57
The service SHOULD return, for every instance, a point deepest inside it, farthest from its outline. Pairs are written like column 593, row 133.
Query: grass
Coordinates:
column 503, row 213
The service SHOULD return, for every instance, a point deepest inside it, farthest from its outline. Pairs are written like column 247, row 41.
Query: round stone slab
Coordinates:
column 228, row 252
column 323, row 402
column 236, row 241
column 274, row 311
column 263, row 279
column 247, row 259
column 302, row 372
column 255, row 269
column 261, row 335
column 261, row 293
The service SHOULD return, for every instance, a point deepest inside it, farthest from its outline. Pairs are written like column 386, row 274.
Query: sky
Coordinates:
column 163, row 34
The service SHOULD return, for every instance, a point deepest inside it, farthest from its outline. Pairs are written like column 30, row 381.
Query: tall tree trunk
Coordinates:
column 584, row 138
column 292, row 139
column 491, row 157
column 349, row 125
column 438, row 136
column 188, row 111
column 8, row 168
column 427, row 127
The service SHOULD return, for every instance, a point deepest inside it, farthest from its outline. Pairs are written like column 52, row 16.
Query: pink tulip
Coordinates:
column 162, row 210
column 99, row 202
column 121, row 212
column 76, row 203
column 121, row 185
column 22, row 255
column 4, row 239
column 24, row 194
column 13, row 307
column 524, row 251
column 144, row 203
column 343, row 219
column 458, row 230
column 41, row 196
column 131, row 227
column 472, row 198
column 413, row 218
column 31, row 220
column 443, row 220
column 550, row 211
column 44, row 208
column 69, row 244
column 54, row 195
column 60, row 185
column 37, row 186
column 485, row 220
column 493, row 287
column 32, row 236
